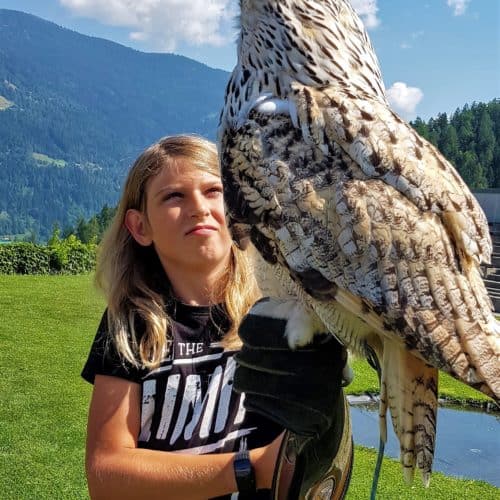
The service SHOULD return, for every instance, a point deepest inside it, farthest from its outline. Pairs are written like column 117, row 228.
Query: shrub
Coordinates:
column 32, row 259
column 24, row 258
column 77, row 257
column 67, row 256
column 8, row 259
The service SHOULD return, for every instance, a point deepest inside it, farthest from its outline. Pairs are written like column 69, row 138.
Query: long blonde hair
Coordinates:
column 132, row 277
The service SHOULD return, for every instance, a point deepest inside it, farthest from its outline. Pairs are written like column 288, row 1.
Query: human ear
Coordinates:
column 135, row 222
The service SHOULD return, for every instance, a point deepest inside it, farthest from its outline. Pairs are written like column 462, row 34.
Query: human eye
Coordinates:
column 172, row 195
column 215, row 191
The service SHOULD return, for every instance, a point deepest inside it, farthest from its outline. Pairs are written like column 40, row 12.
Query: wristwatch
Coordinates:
column 245, row 476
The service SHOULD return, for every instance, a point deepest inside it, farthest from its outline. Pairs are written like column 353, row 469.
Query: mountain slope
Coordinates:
column 75, row 111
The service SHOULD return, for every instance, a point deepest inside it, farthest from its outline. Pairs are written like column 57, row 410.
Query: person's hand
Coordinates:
column 301, row 390
column 297, row 388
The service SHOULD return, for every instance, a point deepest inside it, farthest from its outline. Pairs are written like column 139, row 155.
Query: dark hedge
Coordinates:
column 68, row 256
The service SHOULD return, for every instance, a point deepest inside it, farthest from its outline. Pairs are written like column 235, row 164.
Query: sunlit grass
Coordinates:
column 392, row 486
column 46, row 328
column 366, row 381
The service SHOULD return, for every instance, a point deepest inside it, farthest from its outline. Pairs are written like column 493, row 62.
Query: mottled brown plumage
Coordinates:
column 356, row 215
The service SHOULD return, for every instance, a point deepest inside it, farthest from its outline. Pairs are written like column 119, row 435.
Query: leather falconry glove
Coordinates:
column 301, row 390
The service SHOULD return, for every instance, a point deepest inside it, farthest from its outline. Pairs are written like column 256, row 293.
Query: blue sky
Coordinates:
column 436, row 55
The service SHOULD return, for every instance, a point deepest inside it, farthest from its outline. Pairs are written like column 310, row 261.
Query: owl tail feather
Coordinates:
column 409, row 390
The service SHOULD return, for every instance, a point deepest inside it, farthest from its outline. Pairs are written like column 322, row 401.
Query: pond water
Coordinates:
column 467, row 441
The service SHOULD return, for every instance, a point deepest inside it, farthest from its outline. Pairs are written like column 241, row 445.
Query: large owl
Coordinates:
column 356, row 214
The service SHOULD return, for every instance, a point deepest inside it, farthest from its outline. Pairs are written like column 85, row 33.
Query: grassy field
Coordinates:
column 365, row 380
column 46, row 327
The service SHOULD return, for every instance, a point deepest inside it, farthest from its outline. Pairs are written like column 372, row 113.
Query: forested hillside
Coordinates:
column 470, row 139
column 76, row 110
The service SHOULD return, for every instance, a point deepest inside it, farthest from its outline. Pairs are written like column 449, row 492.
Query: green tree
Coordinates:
column 486, row 144
column 55, row 237
column 463, row 123
column 472, row 171
column 31, row 236
column 87, row 232
column 421, row 127
column 440, row 128
column 433, row 132
column 104, row 218
column 450, row 146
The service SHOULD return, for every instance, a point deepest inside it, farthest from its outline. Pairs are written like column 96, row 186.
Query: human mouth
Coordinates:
column 201, row 230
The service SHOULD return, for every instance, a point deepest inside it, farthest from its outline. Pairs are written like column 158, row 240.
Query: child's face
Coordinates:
column 185, row 218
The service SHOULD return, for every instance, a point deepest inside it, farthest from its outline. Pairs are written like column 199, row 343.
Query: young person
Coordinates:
column 164, row 421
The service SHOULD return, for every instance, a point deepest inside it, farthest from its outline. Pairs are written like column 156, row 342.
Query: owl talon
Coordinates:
column 298, row 336
column 301, row 327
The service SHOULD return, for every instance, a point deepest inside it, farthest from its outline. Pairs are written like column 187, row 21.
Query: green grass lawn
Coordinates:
column 46, row 328
column 365, row 380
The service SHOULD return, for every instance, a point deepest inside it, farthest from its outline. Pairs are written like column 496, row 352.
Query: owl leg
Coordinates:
column 302, row 323
column 302, row 326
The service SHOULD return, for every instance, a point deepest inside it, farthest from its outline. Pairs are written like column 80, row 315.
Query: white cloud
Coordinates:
column 367, row 10
column 459, row 6
column 404, row 99
column 139, row 36
column 165, row 23
column 405, row 45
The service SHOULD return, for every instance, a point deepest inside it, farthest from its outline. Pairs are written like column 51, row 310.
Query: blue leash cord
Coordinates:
column 378, row 467
column 375, row 364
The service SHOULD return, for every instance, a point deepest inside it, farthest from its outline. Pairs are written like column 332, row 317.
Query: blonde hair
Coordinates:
column 132, row 277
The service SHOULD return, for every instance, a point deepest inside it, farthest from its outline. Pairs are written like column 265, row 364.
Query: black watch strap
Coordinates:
column 245, row 476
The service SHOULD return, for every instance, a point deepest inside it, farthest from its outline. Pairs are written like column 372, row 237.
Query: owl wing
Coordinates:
column 364, row 244
column 385, row 147
column 380, row 273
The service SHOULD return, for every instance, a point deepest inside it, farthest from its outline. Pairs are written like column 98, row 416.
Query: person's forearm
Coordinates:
column 140, row 473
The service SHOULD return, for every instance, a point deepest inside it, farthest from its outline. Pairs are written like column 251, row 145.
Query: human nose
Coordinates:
column 199, row 206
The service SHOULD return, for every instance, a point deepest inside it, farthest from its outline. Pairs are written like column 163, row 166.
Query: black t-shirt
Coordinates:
column 188, row 404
